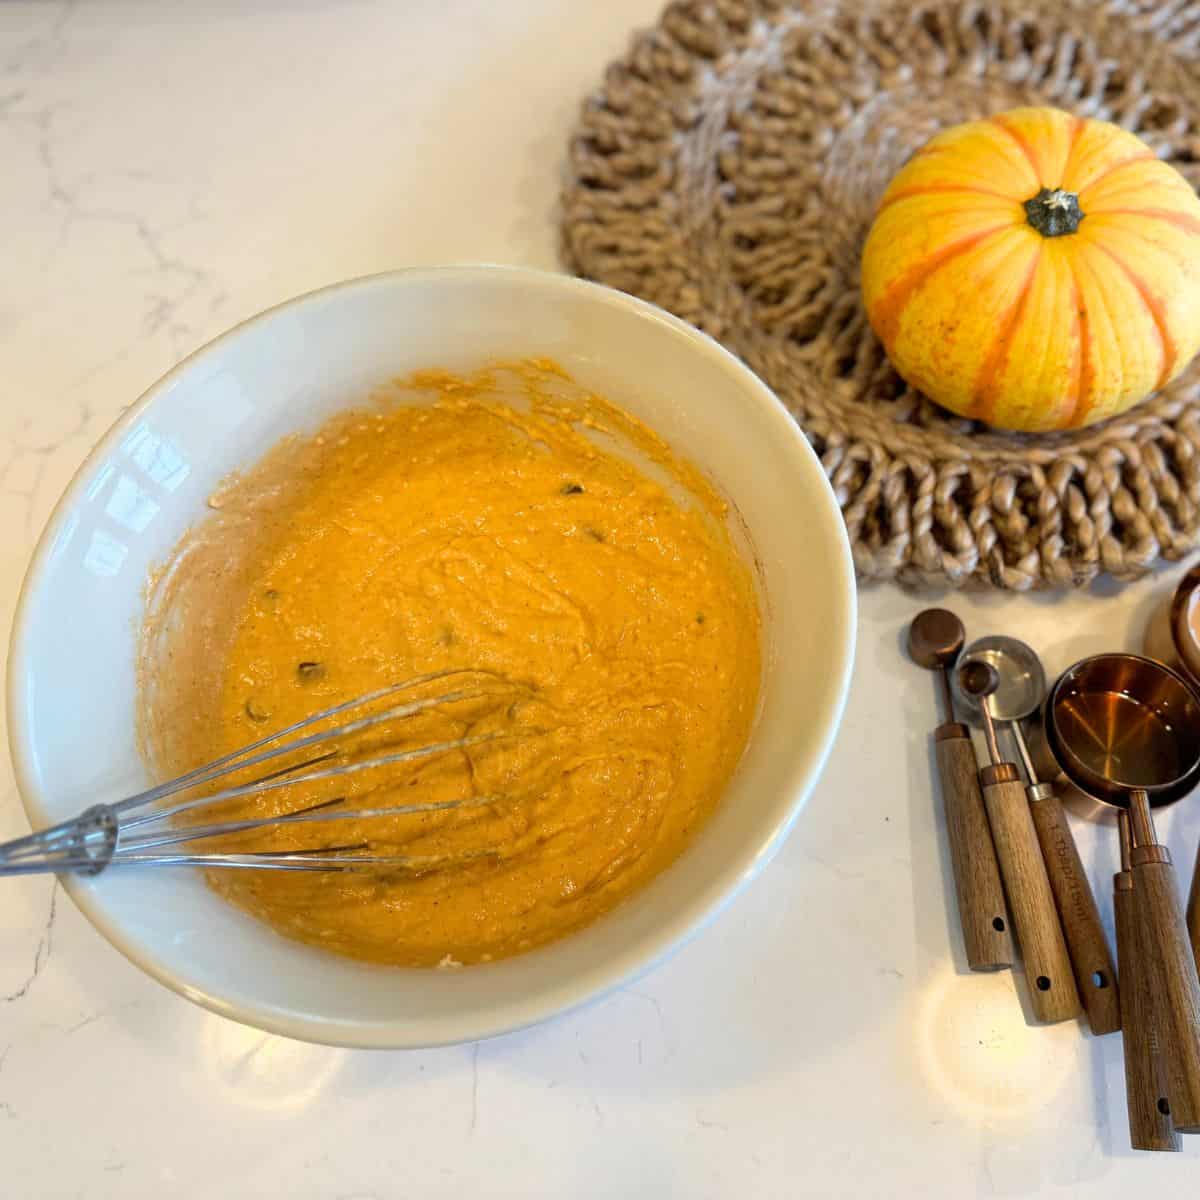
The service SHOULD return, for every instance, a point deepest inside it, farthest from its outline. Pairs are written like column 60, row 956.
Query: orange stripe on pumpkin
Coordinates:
column 1184, row 221
column 885, row 315
column 926, row 151
column 1021, row 141
column 1157, row 312
column 1077, row 130
column 1085, row 375
column 983, row 404
column 1133, row 159
column 1076, row 133
column 937, row 189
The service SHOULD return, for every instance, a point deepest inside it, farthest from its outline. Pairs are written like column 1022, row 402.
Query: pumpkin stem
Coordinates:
column 1053, row 212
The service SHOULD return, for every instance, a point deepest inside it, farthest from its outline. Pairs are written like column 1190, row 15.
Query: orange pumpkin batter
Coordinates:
column 503, row 527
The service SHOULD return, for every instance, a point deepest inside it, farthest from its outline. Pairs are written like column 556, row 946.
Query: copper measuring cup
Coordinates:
column 1126, row 730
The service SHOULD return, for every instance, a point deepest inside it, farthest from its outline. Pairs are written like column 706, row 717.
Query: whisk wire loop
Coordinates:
column 106, row 835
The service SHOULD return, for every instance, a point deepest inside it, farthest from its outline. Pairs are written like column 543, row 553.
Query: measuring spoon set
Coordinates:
column 1124, row 731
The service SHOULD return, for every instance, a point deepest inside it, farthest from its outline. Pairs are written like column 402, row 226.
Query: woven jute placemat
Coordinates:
column 728, row 169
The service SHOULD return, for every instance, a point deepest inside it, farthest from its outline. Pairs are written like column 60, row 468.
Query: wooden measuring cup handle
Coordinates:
column 1171, row 972
column 1052, row 989
column 1193, row 911
column 1150, row 1126
column 1095, row 974
column 981, row 909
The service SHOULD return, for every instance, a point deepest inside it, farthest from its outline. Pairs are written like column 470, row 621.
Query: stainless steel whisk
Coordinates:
column 137, row 830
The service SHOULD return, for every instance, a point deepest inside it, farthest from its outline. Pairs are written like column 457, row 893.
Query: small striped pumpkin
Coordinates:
column 1036, row 270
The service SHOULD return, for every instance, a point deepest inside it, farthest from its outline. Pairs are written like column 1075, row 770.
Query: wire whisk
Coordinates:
column 142, row 830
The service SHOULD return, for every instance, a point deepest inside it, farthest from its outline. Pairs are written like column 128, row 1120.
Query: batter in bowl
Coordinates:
column 511, row 523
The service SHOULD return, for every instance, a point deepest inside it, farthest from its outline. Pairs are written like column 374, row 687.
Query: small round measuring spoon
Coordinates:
column 1020, row 680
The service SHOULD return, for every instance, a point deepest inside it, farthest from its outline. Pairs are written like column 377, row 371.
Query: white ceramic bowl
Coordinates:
column 71, row 681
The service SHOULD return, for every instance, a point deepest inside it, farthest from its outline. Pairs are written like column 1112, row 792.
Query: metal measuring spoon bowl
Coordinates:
column 1021, row 682
column 935, row 638
column 1118, row 722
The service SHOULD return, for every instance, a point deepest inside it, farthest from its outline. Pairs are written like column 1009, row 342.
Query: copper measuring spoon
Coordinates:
column 1020, row 690
column 935, row 638
column 1126, row 730
column 1052, row 992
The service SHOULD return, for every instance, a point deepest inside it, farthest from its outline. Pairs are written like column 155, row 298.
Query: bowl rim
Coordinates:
column 617, row 970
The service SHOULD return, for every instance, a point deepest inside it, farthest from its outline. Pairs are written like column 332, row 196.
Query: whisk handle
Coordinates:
column 85, row 844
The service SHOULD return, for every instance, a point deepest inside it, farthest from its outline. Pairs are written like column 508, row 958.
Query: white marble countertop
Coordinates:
column 167, row 169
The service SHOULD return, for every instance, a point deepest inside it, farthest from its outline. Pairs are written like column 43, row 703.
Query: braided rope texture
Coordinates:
column 729, row 168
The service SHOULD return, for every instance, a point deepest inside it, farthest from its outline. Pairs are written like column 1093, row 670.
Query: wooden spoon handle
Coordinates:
column 981, row 909
column 1171, row 972
column 1095, row 974
column 1150, row 1126
column 1047, row 965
